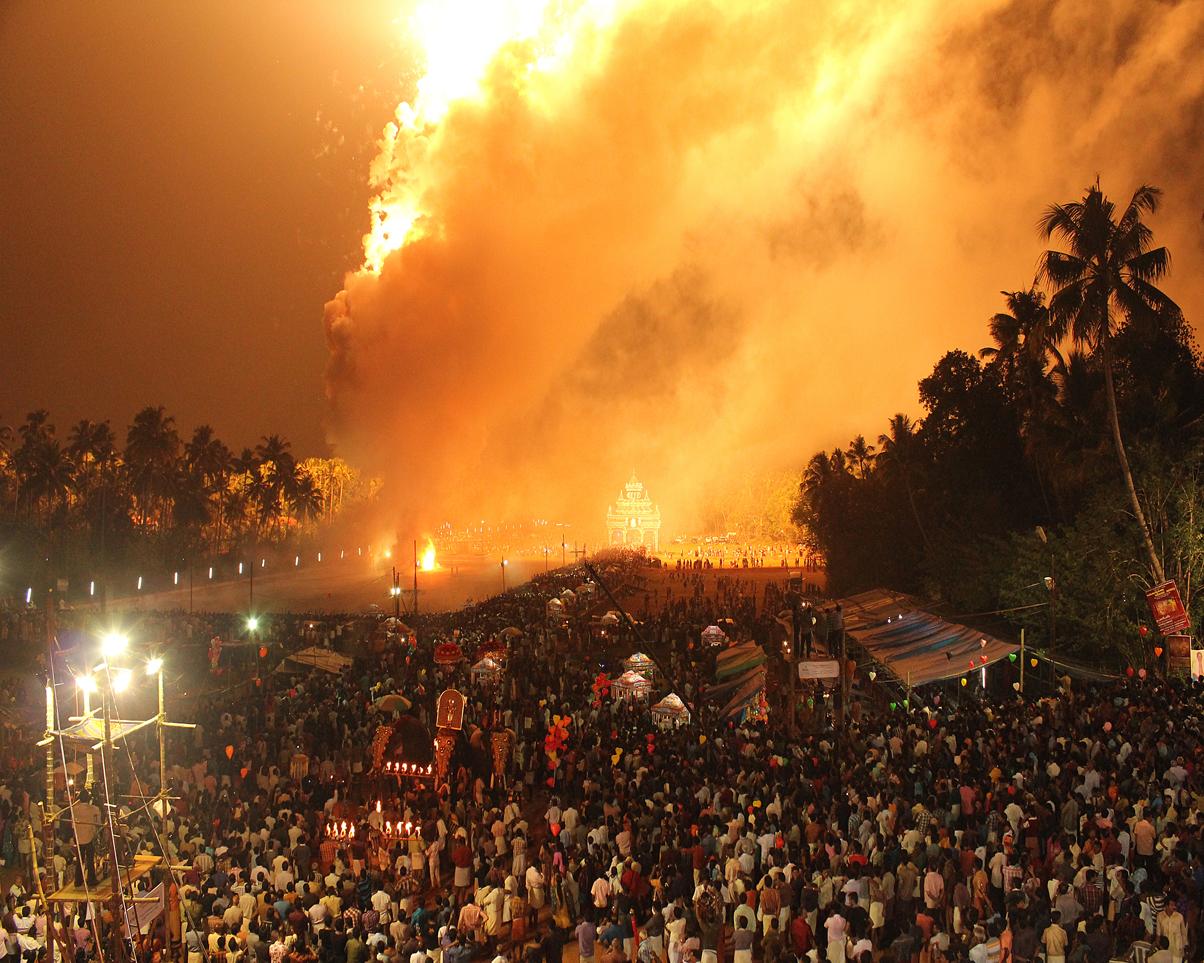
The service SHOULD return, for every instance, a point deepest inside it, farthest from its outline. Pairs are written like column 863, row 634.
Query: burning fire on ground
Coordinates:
column 427, row 561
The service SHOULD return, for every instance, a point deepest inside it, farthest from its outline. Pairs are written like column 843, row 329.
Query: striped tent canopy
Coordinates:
column 738, row 659
column 739, row 679
column 914, row 644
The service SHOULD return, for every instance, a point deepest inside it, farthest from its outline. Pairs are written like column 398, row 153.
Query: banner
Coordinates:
column 144, row 909
column 1197, row 663
column 1167, row 608
column 819, row 669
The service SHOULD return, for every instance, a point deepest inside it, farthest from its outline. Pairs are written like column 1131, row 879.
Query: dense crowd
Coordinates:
column 1062, row 828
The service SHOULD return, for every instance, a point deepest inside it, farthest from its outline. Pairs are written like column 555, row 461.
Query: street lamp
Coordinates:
column 545, row 557
column 505, row 562
column 252, row 623
column 113, row 643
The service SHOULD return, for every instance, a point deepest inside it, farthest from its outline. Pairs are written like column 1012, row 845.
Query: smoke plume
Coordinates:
column 700, row 240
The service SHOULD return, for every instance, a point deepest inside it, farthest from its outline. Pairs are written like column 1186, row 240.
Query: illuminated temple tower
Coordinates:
column 633, row 519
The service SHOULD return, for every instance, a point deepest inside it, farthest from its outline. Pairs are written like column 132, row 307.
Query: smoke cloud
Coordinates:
column 711, row 238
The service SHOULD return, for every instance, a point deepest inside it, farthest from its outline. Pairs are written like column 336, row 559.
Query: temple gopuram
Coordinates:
column 633, row 520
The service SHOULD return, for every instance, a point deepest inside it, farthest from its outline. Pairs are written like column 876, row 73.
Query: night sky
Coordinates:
column 177, row 206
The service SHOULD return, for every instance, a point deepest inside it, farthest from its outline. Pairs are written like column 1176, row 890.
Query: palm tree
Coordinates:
column 1109, row 273
column 91, row 443
column 1026, row 339
column 271, row 448
column 207, row 457
column 151, row 447
column 49, row 475
column 1026, row 343
column 36, row 432
column 302, row 495
column 899, row 454
column 275, row 467
column 861, row 455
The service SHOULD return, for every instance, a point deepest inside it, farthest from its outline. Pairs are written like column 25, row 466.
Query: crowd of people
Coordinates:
column 1064, row 828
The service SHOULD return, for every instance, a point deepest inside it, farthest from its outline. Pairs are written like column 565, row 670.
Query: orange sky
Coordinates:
column 730, row 234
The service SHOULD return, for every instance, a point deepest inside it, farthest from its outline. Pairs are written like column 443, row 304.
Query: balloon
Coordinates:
column 555, row 827
column 873, row 675
column 1016, row 686
column 243, row 772
column 1129, row 672
column 702, row 740
column 263, row 651
column 894, row 706
column 1143, row 630
column 229, row 752
column 1012, row 657
column 1033, row 663
column 931, row 723
column 1107, row 727
column 551, row 781
column 1141, row 673
column 964, row 681
column 1158, row 651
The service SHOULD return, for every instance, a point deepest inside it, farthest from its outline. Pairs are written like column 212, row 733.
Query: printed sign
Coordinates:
column 1167, row 608
column 1178, row 654
column 819, row 669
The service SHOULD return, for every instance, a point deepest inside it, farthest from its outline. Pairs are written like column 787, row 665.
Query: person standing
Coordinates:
column 1170, row 923
column 1054, row 939
column 85, row 816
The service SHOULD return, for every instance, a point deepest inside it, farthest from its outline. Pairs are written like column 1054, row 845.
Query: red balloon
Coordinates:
column 263, row 651
column 1129, row 672
column 555, row 827
column 1143, row 630
column 229, row 752
column 931, row 723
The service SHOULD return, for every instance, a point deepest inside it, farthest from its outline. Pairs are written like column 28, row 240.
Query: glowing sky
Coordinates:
column 698, row 238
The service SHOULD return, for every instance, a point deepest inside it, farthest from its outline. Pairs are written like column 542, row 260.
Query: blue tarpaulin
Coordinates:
column 914, row 644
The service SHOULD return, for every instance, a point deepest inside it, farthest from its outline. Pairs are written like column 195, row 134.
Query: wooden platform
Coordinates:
column 103, row 888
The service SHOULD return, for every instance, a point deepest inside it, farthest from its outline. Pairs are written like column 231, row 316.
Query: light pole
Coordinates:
column 545, row 558
column 505, row 562
column 395, row 591
column 563, row 549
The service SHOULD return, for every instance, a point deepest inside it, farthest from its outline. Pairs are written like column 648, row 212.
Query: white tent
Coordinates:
column 319, row 658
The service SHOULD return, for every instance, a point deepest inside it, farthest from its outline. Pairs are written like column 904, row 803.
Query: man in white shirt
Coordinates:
column 600, row 892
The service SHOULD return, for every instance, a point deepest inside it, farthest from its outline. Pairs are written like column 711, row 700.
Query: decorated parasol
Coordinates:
column 670, row 712
column 632, row 685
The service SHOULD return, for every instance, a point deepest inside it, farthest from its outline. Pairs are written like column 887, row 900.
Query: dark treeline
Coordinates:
column 87, row 503
column 1071, row 447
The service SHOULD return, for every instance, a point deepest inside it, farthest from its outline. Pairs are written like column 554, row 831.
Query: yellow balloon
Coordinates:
column 963, row 680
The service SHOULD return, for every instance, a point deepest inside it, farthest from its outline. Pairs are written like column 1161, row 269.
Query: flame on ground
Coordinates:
column 427, row 560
